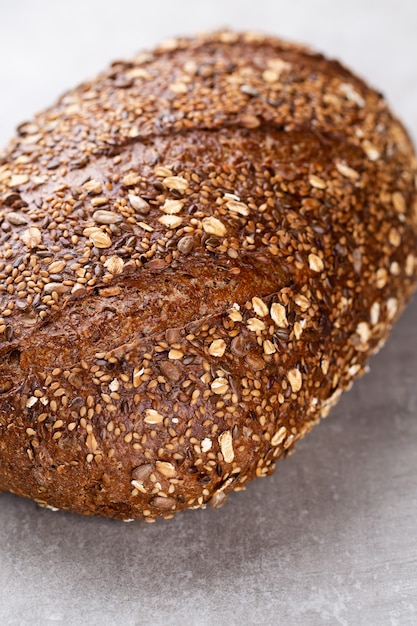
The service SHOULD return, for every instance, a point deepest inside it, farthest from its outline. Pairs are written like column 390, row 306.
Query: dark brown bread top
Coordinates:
column 199, row 251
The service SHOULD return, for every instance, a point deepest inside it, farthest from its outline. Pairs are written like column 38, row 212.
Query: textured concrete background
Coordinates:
column 331, row 537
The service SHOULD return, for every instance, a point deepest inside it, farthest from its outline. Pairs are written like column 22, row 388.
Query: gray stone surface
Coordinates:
column 331, row 537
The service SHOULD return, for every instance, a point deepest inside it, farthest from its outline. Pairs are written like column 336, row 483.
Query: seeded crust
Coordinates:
column 199, row 251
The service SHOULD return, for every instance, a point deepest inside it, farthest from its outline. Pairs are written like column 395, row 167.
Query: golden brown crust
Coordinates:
column 199, row 251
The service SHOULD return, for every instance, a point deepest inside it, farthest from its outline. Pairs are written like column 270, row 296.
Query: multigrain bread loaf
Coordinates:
column 199, row 251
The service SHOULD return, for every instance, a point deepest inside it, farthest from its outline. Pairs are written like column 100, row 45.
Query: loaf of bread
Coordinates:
column 199, row 251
